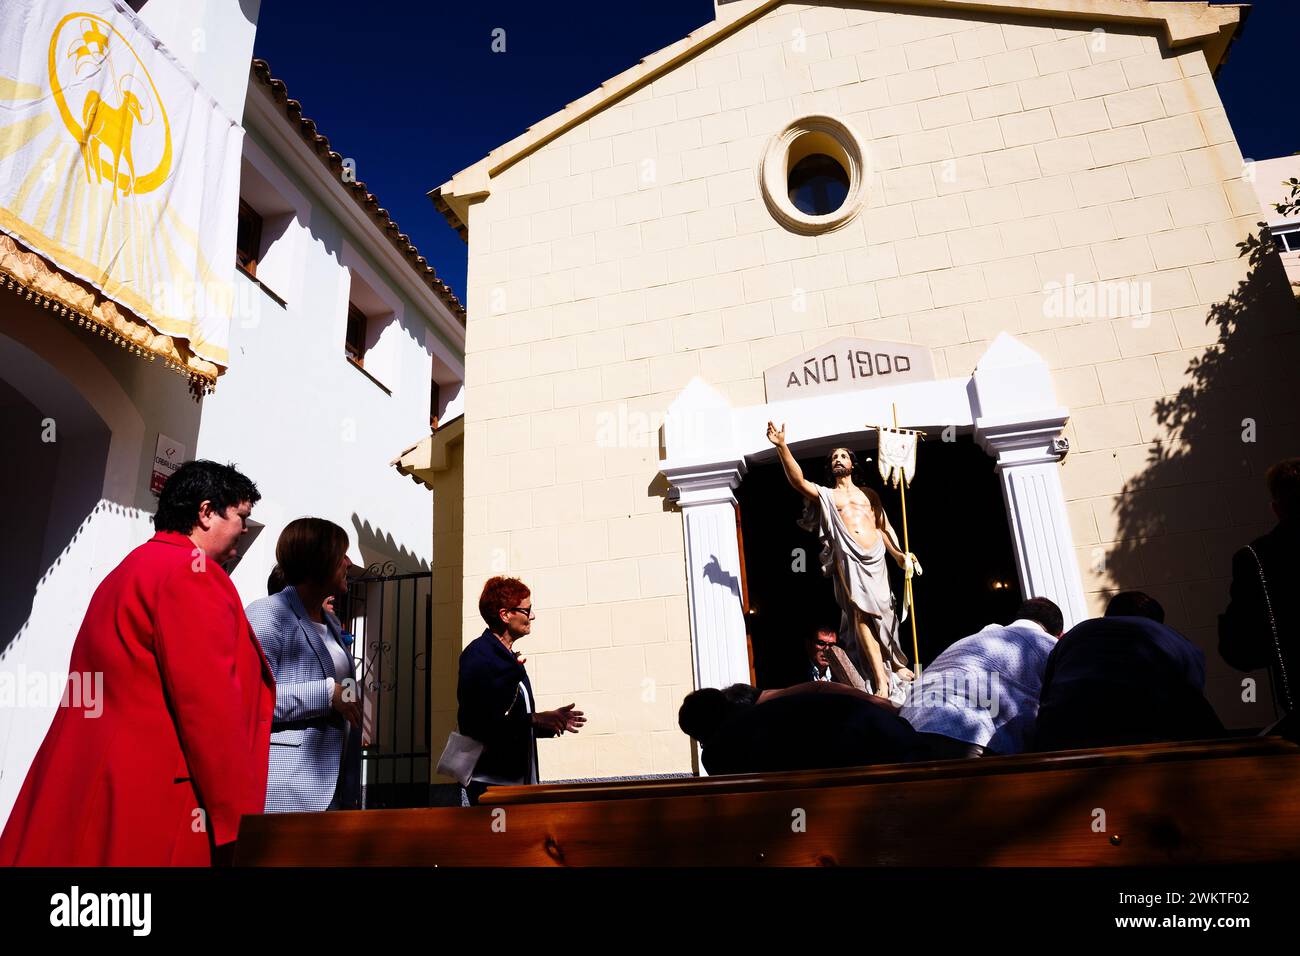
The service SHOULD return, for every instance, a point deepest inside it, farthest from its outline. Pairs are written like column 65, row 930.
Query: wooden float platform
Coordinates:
column 1200, row 802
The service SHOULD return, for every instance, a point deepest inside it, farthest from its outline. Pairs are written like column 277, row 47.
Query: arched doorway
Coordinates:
column 72, row 454
column 53, row 458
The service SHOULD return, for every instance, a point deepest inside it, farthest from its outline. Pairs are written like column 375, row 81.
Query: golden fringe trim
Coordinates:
column 33, row 280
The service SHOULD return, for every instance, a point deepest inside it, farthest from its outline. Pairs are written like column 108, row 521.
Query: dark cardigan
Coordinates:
column 494, row 711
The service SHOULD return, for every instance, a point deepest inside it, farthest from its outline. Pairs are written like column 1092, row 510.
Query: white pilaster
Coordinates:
column 1028, row 463
column 1018, row 422
column 705, row 495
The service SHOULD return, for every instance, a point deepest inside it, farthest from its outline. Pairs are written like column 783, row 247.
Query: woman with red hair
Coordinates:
column 496, row 703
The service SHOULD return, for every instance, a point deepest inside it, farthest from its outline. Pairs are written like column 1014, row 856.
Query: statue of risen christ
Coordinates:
column 855, row 536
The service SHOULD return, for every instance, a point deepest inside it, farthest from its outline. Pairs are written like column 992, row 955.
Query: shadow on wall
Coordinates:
column 382, row 553
column 329, row 235
column 15, row 614
column 53, row 454
column 714, row 573
column 1200, row 495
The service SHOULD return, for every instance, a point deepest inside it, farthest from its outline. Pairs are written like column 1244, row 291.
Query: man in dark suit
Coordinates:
column 1123, row 679
column 496, row 703
column 1261, row 627
column 813, row 726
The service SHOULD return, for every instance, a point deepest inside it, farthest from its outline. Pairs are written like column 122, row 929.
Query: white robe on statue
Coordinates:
column 861, row 580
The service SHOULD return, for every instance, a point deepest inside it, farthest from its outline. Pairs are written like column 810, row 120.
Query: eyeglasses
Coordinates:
column 523, row 610
column 825, row 645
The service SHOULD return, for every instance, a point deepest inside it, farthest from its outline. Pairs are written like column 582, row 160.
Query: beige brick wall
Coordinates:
column 634, row 252
column 446, row 598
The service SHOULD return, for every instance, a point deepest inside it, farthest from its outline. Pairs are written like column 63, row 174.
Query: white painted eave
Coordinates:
column 267, row 119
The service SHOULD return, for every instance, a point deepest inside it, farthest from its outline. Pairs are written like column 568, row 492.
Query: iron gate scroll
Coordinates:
column 390, row 616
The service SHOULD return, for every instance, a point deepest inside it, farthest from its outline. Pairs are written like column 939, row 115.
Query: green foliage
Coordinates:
column 1292, row 204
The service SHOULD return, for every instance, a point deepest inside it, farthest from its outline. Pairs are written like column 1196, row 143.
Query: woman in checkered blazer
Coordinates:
column 315, row 732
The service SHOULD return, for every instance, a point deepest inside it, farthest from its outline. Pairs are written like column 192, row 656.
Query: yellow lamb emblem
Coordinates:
column 121, row 101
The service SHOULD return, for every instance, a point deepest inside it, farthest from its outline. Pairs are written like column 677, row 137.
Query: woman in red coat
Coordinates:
column 174, row 751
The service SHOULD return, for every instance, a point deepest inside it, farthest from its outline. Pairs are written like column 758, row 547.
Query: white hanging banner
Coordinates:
column 117, row 166
column 896, row 455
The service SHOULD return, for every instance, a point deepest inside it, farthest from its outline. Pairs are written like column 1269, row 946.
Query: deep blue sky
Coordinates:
column 413, row 92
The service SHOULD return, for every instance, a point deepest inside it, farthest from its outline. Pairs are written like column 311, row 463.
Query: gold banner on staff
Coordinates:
column 896, row 453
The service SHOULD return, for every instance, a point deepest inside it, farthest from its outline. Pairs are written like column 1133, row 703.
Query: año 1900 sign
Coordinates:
column 846, row 365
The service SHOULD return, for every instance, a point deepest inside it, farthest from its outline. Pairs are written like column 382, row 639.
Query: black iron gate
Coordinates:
column 390, row 616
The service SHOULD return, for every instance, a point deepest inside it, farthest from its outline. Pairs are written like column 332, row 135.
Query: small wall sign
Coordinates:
column 166, row 459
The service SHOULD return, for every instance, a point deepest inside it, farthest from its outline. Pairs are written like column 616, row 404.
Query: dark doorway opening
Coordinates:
column 958, row 528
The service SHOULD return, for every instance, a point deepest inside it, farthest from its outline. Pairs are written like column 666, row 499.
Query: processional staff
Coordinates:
column 896, row 457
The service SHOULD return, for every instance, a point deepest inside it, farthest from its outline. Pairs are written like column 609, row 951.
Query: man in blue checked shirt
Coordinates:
column 980, row 696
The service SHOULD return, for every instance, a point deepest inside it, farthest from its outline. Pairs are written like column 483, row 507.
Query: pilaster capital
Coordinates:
column 1024, row 441
column 705, row 482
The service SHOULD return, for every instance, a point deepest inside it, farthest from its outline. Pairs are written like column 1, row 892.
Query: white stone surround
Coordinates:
column 1008, row 404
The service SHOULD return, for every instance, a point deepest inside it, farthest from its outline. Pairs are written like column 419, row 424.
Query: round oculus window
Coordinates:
column 814, row 175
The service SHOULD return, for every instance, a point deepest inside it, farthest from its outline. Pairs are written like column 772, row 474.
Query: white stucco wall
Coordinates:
column 314, row 432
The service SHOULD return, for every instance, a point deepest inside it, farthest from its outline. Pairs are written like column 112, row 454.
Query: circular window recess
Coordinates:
column 818, row 185
column 814, row 175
